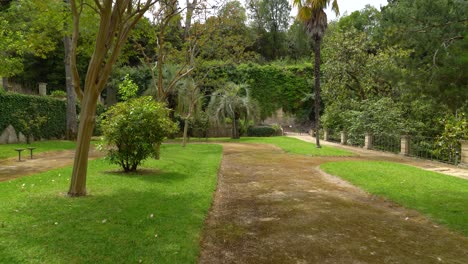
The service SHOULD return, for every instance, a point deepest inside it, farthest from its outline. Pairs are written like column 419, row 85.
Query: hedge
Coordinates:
column 262, row 131
column 273, row 86
column 16, row 109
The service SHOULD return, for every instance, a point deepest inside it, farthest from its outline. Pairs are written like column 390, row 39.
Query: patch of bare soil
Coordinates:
column 271, row 207
column 12, row 168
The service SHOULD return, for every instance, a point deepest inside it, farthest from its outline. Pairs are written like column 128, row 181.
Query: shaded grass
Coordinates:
column 8, row 150
column 288, row 144
column 113, row 224
column 442, row 198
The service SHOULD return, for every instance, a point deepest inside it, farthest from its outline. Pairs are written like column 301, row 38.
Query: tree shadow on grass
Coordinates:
column 124, row 227
column 150, row 175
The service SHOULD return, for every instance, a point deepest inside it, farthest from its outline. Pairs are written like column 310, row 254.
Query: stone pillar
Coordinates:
column 369, row 141
column 464, row 153
column 344, row 138
column 42, row 89
column 325, row 134
column 405, row 145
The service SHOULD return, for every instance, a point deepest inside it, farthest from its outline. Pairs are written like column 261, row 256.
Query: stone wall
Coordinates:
column 10, row 136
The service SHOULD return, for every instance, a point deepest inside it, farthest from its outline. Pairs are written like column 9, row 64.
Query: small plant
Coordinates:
column 58, row 94
column 127, row 89
column 134, row 129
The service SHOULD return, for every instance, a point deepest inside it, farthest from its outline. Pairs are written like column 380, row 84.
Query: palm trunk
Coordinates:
column 234, row 128
column 72, row 124
column 317, row 90
column 85, row 132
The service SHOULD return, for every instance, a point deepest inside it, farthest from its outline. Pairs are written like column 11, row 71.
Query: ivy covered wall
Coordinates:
column 45, row 116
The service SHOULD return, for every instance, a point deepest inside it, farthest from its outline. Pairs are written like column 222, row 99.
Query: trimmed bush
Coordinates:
column 43, row 117
column 262, row 131
column 133, row 129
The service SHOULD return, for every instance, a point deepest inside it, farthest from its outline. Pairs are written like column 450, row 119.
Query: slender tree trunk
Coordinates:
column 234, row 128
column 5, row 83
column 188, row 16
column 317, row 90
column 111, row 98
column 186, row 125
column 85, row 132
column 72, row 122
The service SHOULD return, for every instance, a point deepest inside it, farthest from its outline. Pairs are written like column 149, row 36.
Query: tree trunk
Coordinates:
column 186, row 125
column 72, row 122
column 188, row 16
column 111, row 98
column 85, row 132
column 317, row 90
column 5, row 83
column 234, row 129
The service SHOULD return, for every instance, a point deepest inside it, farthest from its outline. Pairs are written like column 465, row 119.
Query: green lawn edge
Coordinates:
column 154, row 216
column 8, row 150
column 440, row 197
column 288, row 144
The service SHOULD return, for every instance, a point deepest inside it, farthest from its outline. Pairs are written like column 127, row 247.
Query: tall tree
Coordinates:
column 72, row 121
column 312, row 14
column 117, row 19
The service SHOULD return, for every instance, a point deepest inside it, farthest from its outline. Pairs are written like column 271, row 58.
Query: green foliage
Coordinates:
column 133, row 128
column 37, row 26
column 58, row 94
column 261, row 131
column 43, row 117
column 235, row 103
column 455, row 129
column 273, row 86
column 441, row 197
column 127, row 88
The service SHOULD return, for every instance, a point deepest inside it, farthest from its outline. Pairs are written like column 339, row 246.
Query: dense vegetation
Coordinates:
column 401, row 69
column 42, row 117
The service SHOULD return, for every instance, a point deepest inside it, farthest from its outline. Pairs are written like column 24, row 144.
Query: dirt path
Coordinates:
column 12, row 168
column 271, row 207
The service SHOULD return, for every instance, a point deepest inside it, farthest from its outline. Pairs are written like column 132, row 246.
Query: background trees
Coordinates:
column 408, row 59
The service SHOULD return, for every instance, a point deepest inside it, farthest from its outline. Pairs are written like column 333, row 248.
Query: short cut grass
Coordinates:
column 442, row 198
column 155, row 215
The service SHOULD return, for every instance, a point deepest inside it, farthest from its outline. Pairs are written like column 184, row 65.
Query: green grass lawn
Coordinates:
column 441, row 197
column 290, row 145
column 155, row 216
column 8, row 150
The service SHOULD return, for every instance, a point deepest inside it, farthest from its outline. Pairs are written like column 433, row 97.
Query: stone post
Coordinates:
column 405, row 145
column 325, row 134
column 368, row 141
column 42, row 89
column 464, row 153
column 344, row 138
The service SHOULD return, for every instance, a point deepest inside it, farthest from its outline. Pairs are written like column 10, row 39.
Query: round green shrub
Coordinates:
column 134, row 129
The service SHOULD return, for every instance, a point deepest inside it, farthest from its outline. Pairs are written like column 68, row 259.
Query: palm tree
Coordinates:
column 232, row 101
column 312, row 14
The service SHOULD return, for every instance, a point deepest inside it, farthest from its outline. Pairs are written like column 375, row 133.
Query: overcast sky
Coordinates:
column 350, row 6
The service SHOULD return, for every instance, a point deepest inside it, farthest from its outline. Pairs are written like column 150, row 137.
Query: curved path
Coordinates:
column 271, row 207
column 45, row 161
